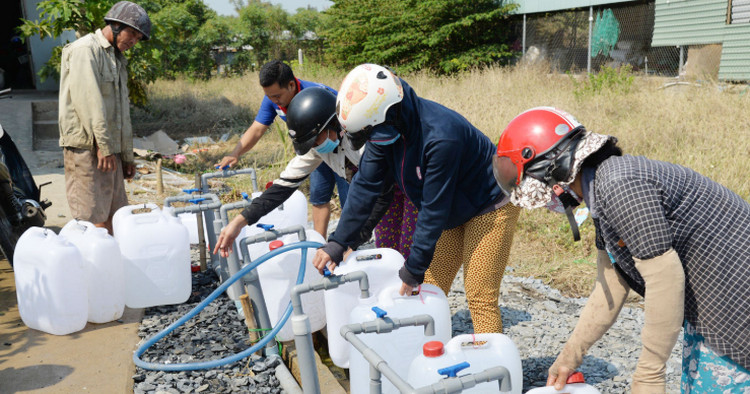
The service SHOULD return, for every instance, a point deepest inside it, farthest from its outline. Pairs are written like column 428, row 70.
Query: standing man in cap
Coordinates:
column 94, row 115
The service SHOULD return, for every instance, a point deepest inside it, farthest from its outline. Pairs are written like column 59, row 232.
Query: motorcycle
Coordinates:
column 20, row 203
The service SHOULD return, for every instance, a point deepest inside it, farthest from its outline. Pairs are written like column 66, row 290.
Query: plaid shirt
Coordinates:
column 645, row 207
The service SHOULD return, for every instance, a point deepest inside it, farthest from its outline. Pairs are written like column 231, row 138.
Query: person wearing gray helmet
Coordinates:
column 94, row 115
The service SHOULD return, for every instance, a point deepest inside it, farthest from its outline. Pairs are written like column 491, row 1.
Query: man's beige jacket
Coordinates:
column 94, row 104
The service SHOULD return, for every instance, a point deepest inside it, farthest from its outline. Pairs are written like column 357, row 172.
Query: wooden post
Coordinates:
column 159, row 183
column 247, row 310
column 201, row 236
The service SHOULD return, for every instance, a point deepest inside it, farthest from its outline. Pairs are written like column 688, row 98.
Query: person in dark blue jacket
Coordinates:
column 443, row 164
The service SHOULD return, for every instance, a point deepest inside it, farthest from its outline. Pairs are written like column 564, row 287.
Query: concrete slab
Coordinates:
column 97, row 359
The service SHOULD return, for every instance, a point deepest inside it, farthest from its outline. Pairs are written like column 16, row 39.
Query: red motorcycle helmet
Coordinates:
column 540, row 142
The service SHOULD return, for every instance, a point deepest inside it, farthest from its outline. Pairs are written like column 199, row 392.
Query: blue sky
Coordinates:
column 224, row 7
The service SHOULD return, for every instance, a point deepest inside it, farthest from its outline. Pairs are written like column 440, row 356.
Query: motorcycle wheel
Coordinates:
column 8, row 238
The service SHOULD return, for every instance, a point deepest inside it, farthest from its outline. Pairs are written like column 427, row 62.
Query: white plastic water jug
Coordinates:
column 399, row 347
column 424, row 368
column 381, row 266
column 50, row 283
column 156, row 255
column 278, row 275
column 293, row 212
column 105, row 273
column 481, row 351
column 575, row 385
column 190, row 221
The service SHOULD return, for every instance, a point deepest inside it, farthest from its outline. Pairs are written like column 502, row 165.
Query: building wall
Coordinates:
column 41, row 49
column 735, row 54
column 700, row 22
column 689, row 22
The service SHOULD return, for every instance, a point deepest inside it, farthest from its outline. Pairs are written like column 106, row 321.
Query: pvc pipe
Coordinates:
column 251, row 281
column 286, row 380
column 209, row 216
column 227, row 173
column 231, row 264
column 238, row 356
column 301, row 323
column 198, row 206
column 378, row 365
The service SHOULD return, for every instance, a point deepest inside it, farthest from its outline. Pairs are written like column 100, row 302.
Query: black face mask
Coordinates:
column 359, row 139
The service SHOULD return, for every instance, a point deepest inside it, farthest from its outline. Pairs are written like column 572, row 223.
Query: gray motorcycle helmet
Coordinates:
column 310, row 112
column 132, row 15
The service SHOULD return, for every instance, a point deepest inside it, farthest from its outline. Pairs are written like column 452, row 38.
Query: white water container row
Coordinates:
column 84, row 274
column 156, row 254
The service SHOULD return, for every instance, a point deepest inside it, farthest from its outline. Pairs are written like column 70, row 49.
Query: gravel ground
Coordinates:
column 537, row 318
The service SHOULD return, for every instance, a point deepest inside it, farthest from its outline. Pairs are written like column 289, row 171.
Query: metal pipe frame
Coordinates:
column 301, row 324
column 251, row 281
column 379, row 366
column 209, row 219
column 230, row 265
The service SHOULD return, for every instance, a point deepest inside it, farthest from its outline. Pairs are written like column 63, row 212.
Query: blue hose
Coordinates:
column 245, row 353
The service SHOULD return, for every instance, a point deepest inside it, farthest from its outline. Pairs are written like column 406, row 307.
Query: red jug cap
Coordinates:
column 433, row 349
column 275, row 244
column 269, row 184
column 576, row 377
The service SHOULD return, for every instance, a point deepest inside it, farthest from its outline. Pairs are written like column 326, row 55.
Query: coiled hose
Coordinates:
column 304, row 245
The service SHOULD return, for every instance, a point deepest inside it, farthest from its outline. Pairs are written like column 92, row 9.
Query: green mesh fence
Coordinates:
column 621, row 34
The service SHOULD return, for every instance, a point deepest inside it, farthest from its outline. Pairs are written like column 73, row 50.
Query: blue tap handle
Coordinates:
column 327, row 272
column 191, row 191
column 244, row 195
column 453, row 370
column 222, row 168
column 379, row 312
column 197, row 200
column 266, row 227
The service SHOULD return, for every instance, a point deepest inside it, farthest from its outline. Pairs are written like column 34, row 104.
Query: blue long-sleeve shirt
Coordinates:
column 441, row 162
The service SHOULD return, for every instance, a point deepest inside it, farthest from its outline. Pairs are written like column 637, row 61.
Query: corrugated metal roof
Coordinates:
column 534, row 6
column 735, row 53
column 686, row 22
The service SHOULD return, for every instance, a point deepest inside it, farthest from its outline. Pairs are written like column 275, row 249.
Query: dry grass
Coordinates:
column 702, row 127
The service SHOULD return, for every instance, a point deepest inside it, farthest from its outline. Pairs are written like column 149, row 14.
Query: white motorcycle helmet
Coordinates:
column 366, row 94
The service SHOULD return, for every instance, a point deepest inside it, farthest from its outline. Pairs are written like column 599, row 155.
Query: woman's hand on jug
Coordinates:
column 405, row 290
column 329, row 255
column 225, row 243
column 558, row 376
column 323, row 260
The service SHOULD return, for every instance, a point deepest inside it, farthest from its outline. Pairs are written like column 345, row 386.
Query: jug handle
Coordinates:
column 151, row 206
column 454, row 345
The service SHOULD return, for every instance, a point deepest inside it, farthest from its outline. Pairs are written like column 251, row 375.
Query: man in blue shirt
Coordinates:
column 280, row 86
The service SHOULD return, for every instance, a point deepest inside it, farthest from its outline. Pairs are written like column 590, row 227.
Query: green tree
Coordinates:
column 85, row 17
column 440, row 35
column 186, row 36
column 262, row 26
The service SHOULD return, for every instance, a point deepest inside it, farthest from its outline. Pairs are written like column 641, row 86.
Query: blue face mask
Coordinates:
column 328, row 146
